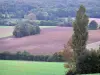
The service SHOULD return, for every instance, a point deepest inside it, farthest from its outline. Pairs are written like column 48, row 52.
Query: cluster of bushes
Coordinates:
column 89, row 62
column 93, row 25
column 2, row 22
column 27, row 56
column 65, row 22
column 26, row 28
column 7, row 23
column 12, row 23
column 56, row 57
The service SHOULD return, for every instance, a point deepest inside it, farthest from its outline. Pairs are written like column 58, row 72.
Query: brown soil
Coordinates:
column 49, row 41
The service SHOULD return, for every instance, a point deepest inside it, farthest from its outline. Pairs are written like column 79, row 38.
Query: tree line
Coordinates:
column 29, row 57
column 47, row 10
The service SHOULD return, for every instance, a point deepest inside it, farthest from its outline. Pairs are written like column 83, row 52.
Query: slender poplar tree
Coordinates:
column 80, row 35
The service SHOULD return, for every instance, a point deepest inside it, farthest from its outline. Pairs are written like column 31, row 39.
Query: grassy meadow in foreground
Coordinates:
column 31, row 68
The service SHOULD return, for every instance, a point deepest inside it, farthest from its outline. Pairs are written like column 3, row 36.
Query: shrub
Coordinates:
column 70, row 72
column 10, row 23
column 25, row 29
column 89, row 62
column 93, row 25
column 65, row 22
column 31, row 16
column 3, row 22
column 42, row 15
column 56, row 57
column 24, row 55
column 69, row 22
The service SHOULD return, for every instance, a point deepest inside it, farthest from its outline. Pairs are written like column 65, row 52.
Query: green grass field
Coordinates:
column 31, row 68
column 6, row 31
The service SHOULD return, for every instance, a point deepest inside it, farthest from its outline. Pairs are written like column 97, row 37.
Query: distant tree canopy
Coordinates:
column 25, row 29
column 48, row 23
column 30, row 16
column 66, row 22
column 93, row 25
column 47, row 9
column 2, row 21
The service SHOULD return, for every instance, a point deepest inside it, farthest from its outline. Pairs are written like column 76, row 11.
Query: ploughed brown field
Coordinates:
column 49, row 41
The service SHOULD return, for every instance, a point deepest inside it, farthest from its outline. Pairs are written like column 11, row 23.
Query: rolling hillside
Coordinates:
column 49, row 41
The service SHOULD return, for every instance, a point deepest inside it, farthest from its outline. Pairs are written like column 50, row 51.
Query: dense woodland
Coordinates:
column 47, row 9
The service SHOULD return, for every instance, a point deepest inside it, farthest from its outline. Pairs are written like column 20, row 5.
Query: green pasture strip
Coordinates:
column 31, row 68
